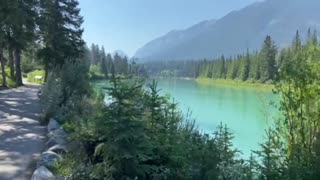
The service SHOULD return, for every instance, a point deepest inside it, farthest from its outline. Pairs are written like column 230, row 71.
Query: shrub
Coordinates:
column 10, row 81
column 50, row 96
column 142, row 135
column 65, row 89
column 36, row 76
column 95, row 73
column 29, row 66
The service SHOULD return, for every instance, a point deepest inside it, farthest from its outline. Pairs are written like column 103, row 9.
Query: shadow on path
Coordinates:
column 21, row 136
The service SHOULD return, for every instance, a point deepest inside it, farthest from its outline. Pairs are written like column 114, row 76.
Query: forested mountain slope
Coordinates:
column 236, row 31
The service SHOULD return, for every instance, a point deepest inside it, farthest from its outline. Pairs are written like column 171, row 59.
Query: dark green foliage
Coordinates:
column 125, row 147
column 141, row 135
column 268, row 60
column 297, row 85
column 120, row 64
column 95, row 54
column 30, row 60
column 246, row 67
column 3, row 72
column 271, row 156
column 18, row 24
column 104, row 67
column 296, row 43
column 74, row 80
column 258, row 66
column 291, row 148
column 242, row 67
column 61, row 33
column 228, row 166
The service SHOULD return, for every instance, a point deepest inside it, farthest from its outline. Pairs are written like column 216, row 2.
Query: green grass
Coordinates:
column 10, row 81
column 31, row 77
column 95, row 73
column 236, row 83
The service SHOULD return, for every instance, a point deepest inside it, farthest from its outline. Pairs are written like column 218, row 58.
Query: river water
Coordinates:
column 246, row 111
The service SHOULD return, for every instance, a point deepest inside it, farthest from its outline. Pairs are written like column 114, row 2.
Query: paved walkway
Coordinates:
column 21, row 136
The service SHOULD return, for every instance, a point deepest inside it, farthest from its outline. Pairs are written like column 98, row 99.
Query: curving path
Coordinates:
column 21, row 136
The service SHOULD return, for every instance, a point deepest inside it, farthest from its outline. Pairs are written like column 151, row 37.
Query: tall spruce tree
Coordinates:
column 2, row 63
column 3, row 8
column 246, row 67
column 6, row 34
column 223, row 68
column 109, row 62
column 20, row 25
column 61, row 32
column 315, row 37
column 297, row 44
column 268, row 60
column 104, row 67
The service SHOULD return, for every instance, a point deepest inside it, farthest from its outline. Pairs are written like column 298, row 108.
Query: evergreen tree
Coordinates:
column 124, row 65
column 268, row 60
column 93, row 54
column 228, row 163
column 109, row 61
column 223, row 68
column 11, row 62
column 20, row 24
column 246, row 67
column 104, row 67
column 61, row 33
column 125, row 148
column 2, row 41
column 315, row 38
column 297, row 44
column 117, row 63
column 2, row 63
column 309, row 37
column 235, row 70
column 6, row 33
column 271, row 155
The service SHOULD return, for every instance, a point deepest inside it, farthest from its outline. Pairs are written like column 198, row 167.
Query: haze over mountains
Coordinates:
column 237, row 31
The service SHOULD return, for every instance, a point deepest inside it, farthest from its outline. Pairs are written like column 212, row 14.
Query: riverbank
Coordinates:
column 226, row 82
column 235, row 83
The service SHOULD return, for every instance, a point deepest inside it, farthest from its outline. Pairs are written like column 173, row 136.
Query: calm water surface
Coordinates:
column 244, row 110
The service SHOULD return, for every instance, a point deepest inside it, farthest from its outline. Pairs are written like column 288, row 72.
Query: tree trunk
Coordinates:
column 17, row 54
column 11, row 63
column 46, row 72
column 4, row 80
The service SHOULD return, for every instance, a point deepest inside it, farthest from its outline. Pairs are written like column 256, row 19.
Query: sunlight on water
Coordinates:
column 244, row 110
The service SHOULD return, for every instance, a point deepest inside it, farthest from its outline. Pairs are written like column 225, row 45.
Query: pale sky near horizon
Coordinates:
column 127, row 25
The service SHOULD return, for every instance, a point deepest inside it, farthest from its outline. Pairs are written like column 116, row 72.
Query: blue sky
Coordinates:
column 128, row 24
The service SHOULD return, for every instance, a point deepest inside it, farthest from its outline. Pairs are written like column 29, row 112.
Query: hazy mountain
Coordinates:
column 237, row 31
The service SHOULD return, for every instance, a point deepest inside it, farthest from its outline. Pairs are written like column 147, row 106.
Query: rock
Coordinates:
column 39, row 93
column 59, row 148
column 58, row 136
column 56, row 141
column 58, row 133
column 53, row 125
column 42, row 173
column 48, row 159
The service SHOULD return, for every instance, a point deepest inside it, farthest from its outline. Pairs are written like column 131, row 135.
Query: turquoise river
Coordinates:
column 246, row 111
